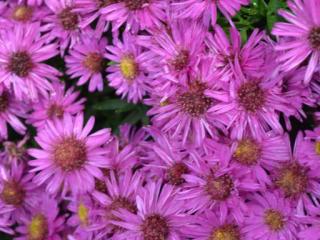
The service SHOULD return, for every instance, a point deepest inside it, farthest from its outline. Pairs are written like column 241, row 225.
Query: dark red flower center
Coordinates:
column 22, row 13
column 70, row 154
column 248, row 152
column 314, row 38
column 68, row 19
column 194, row 102
column 94, row 62
column 181, row 61
column 12, row 193
column 219, row 188
column 175, row 172
column 135, row 4
column 155, row 227
column 55, row 110
column 101, row 186
column 292, row 179
column 38, row 228
column 274, row 219
column 104, row 3
column 225, row 232
column 20, row 63
column 251, row 97
column 4, row 102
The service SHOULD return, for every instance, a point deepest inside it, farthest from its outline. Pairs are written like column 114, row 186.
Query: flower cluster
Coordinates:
column 221, row 159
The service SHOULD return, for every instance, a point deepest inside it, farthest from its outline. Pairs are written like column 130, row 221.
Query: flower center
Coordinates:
column 83, row 212
column 292, row 179
column 94, row 62
column 251, row 97
column 155, row 227
column 101, row 186
column 4, row 102
column 68, row 19
column 226, row 232
column 175, row 172
column 317, row 144
column 274, row 219
column 104, row 3
column 120, row 203
column 38, row 228
column 20, row 64
column 55, row 111
column 129, row 68
column 12, row 193
column 22, row 13
column 314, row 38
column 248, row 152
column 135, row 4
column 219, row 188
column 15, row 151
column 180, row 61
column 194, row 102
column 70, row 154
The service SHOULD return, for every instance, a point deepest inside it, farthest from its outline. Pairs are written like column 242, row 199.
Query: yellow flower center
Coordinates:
column 129, row 68
column 38, row 228
column 83, row 214
column 317, row 147
column 248, row 152
column 226, row 232
column 22, row 13
column 274, row 219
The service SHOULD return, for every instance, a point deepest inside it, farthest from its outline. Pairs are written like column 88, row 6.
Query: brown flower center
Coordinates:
column 70, row 154
column 12, row 193
column 155, row 227
column 4, row 102
column 317, row 144
column 226, row 232
column 194, row 102
column 15, row 151
column 55, row 111
column 135, row 4
column 219, row 188
column 314, row 38
column 175, row 172
column 20, row 63
column 68, row 19
column 251, row 97
column 248, row 152
column 104, row 3
column 101, row 186
column 274, row 219
column 129, row 68
column 181, row 61
column 94, row 62
column 292, row 179
column 22, row 13
column 38, row 228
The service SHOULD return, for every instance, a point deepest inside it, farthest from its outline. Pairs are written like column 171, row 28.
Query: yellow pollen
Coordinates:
column 226, row 232
column 22, row 13
column 274, row 219
column 129, row 68
column 248, row 152
column 38, row 228
column 317, row 147
column 164, row 103
column 83, row 213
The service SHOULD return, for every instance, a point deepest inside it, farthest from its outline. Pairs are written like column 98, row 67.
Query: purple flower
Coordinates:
column 128, row 71
column 300, row 35
column 206, row 9
column 22, row 53
column 32, row 2
column 43, row 223
column 14, row 153
column 86, row 61
column 271, row 217
column 159, row 215
column 58, row 103
column 5, row 221
column 70, row 157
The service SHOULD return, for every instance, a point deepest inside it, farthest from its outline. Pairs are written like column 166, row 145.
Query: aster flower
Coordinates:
column 159, row 215
column 177, row 50
column 182, row 111
column 70, row 158
column 22, row 53
column 5, row 221
column 213, row 225
column 136, row 14
column 230, row 54
column 128, row 74
column 59, row 102
column 129, row 134
column 120, row 193
column 11, row 111
column 311, row 145
column 14, row 152
column 43, row 223
column 32, row 2
column 18, row 191
column 301, row 36
column 250, row 104
column 86, row 61
column 206, row 9
column 271, row 216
